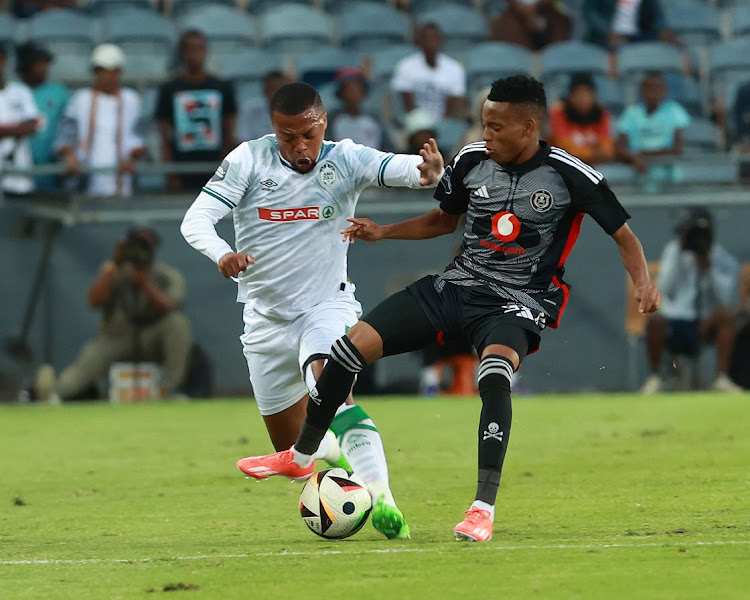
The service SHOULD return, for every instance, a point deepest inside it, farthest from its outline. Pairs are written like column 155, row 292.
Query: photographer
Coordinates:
column 140, row 301
column 698, row 280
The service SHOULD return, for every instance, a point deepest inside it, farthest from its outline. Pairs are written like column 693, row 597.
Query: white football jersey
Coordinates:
column 290, row 222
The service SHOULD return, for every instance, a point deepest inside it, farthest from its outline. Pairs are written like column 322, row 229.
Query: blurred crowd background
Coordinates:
column 136, row 101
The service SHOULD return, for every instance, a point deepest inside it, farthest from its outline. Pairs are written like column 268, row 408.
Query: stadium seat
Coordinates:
column 617, row 173
column 365, row 26
column 143, row 68
column 740, row 19
column 487, row 61
column 462, row 26
column 635, row 59
column 70, row 70
column 449, row 133
column 696, row 23
column 318, row 67
column 729, row 62
column 494, row 7
column 295, row 28
column 180, row 7
column 686, row 91
column 139, row 31
column 611, row 94
column 419, row 6
column 64, row 32
column 707, row 173
column 559, row 60
column 336, row 6
column 104, row 7
column 384, row 61
column 8, row 31
column 227, row 29
column 248, row 64
column 701, row 136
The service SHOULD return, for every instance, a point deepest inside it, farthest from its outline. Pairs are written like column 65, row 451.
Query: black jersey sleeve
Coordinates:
column 451, row 191
column 589, row 191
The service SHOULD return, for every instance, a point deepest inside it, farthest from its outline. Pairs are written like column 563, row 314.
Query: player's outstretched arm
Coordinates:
column 646, row 293
column 429, row 225
column 409, row 170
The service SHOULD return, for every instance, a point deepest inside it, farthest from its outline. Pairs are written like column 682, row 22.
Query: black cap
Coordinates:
column 29, row 53
column 696, row 217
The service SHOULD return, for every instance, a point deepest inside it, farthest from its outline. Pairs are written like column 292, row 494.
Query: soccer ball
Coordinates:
column 335, row 503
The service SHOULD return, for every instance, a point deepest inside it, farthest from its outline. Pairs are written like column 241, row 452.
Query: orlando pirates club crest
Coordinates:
column 327, row 175
column 541, row 201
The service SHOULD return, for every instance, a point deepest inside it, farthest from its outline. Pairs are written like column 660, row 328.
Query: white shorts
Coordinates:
column 277, row 351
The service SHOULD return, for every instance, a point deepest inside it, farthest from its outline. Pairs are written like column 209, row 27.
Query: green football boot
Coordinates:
column 389, row 520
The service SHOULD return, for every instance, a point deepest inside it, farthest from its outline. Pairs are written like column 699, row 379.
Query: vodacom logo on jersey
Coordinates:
column 505, row 227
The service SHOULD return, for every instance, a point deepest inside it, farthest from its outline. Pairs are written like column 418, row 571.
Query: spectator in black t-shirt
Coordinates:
column 196, row 113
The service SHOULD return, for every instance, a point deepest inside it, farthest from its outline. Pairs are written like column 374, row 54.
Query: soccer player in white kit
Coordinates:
column 290, row 194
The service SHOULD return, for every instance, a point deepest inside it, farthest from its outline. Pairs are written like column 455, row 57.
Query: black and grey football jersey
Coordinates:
column 522, row 221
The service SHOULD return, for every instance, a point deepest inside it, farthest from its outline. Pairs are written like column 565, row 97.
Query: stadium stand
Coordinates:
column 489, row 60
column 462, row 26
column 227, row 29
column 295, row 28
column 369, row 26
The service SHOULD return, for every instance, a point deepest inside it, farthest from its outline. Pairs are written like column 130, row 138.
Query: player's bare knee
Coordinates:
column 505, row 351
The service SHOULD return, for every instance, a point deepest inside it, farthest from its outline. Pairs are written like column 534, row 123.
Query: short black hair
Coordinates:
column 520, row 89
column 582, row 78
column 294, row 98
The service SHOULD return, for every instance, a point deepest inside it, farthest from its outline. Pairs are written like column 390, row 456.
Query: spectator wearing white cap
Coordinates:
column 99, row 128
column 419, row 127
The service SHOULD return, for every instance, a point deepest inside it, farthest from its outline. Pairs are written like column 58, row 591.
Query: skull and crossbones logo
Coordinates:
column 493, row 432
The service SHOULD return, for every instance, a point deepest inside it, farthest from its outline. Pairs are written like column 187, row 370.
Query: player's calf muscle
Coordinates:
column 367, row 341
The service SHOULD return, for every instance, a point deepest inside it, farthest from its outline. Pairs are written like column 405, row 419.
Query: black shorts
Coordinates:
column 420, row 315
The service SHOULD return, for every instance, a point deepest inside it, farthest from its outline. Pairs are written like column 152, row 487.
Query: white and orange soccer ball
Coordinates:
column 335, row 503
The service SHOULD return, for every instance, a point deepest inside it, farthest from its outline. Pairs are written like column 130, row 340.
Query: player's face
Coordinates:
column 507, row 130
column 300, row 137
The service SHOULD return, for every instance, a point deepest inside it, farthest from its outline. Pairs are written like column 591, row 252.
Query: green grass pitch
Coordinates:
column 605, row 497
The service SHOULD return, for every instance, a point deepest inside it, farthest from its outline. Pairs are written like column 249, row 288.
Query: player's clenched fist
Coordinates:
column 648, row 298
column 233, row 263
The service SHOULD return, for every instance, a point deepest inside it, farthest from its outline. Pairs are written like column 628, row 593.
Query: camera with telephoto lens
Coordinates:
column 697, row 232
column 137, row 251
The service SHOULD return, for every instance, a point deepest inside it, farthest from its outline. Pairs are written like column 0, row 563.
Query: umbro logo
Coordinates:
column 482, row 192
column 268, row 185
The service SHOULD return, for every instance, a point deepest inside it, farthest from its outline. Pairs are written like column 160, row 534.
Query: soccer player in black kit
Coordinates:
column 524, row 202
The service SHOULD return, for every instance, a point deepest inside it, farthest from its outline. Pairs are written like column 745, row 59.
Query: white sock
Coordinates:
column 490, row 508
column 303, row 460
column 363, row 448
column 329, row 448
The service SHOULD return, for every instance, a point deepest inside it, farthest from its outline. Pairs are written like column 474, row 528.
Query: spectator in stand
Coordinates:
column 196, row 113
column 651, row 128
column 99, row 127
column 19, row 119
column 255, row 117
column 614, row 23
column 580, row 125
column 352, row 122
column 419, row 127
column 531, row 23
column 51, row 98
column 698, row 280
column 429, row 79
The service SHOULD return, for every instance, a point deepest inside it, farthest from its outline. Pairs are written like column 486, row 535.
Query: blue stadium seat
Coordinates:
column 103, row 7
column 8, row 31
column 180, row 7
column 259, row 6
column 384, row 61
column 63, row 31
column 686, row 91
column 635, row 59
column 487, row 61
column 295, row 28
column 139, row 31
column 559, row 60
column 418, row 6
column 366, row 26
column 740, row 19
column 493, row 8
column 719, row 172
column 610, row 93
column 696, row 22
column 146, row 67
column 729, row 61
column 701, row 136
column 70, row 69
column 617, row 173
column 336, row 6
column 226, row 28
column 449, row 133
column 318, row 66
column 248, row 64
column 462, row 26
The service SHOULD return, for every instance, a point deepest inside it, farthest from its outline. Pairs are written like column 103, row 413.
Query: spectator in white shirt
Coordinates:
column 99, row 127
column 19, row 119
column 430, row 79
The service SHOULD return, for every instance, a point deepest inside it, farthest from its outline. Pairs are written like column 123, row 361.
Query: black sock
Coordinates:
column 495, row 373
column 330, row 392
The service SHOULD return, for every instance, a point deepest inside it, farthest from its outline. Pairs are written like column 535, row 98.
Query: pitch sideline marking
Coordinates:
column 82, row 561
